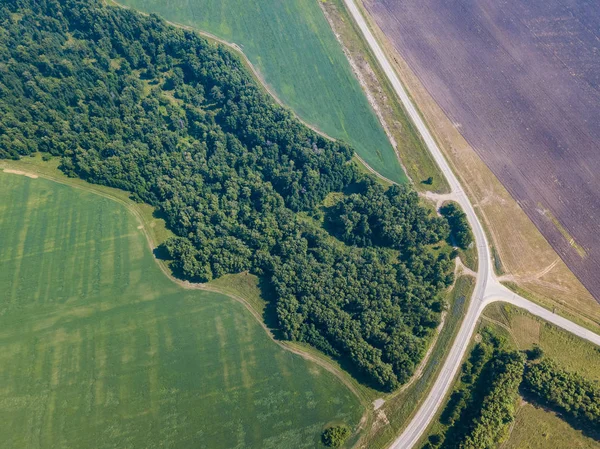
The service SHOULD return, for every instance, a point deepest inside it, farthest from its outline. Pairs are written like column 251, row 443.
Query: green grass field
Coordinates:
column 99, row 349
column 536, row 428
column 293, row 48
column 523, row 330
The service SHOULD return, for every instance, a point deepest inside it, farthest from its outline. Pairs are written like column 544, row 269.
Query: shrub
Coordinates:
column 335, row 436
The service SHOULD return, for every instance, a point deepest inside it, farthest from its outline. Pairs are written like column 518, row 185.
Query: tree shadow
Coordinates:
column 587, row 428
column 270, row 312
column 161, row 253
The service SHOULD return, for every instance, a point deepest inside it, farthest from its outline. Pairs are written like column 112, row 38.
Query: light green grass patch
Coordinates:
column 292, row 46
column 536, row 428
column 524, row 330
column 99, row 349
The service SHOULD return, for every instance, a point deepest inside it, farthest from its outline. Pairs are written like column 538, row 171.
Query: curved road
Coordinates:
column 487, row 287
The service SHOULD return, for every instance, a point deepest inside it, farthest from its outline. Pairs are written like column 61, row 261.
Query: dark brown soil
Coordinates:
column 521, row 78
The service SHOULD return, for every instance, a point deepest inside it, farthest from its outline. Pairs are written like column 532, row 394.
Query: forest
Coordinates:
column 128, row 101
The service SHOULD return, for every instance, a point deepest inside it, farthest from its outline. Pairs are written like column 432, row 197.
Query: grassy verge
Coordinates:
column 416, row 159
column 399, row 407
column 583, row 320
column 469, row 257
column 498, row 268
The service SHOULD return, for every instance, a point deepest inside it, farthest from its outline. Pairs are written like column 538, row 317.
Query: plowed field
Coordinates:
column 521, row 80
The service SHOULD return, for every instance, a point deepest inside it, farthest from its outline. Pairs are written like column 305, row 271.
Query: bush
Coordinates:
column 335, row 436
column 534, row 353
column 460, row 232
column 490, row 424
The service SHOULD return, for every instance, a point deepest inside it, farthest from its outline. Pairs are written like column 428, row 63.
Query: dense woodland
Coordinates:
column 130, row 102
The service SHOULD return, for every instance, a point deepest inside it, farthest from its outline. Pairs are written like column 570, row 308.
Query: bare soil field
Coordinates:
column 520, row 80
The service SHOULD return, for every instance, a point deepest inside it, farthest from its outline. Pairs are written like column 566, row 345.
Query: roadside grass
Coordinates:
column 498, row 269
column 295, row 53
column 400, row 406
column 469, row 257
column 568, row 311
column 537, row 428
column 100, row 349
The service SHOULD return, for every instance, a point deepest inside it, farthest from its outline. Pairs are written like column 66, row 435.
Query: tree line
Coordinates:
column 131, row 102
column 568, row 392
column 483, row 403
column 482, row 406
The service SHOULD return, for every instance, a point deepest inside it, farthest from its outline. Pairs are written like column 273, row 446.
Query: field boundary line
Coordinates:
column 341, row 375
column 237, row 50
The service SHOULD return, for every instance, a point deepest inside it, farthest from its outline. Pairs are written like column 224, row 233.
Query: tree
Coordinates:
column 335, row 436
column 535, row 353
column 460, row 232
column 565, row 391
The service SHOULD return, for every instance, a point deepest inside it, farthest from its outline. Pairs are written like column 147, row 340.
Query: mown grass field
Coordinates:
column 536, row 428
column 99, row 349
column 297, row 55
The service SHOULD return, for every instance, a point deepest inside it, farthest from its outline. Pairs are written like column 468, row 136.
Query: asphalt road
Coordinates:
column 487, row 288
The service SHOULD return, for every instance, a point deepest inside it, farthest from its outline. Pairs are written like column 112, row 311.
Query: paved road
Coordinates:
column 487, row 288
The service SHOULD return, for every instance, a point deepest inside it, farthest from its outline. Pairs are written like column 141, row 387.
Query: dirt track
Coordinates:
column 521, row 80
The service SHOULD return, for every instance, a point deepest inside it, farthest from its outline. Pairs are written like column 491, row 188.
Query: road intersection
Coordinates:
column 487, row 288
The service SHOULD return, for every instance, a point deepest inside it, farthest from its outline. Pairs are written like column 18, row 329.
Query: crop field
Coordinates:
column 99, row 349
column 521, row 81
column 292, row 46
